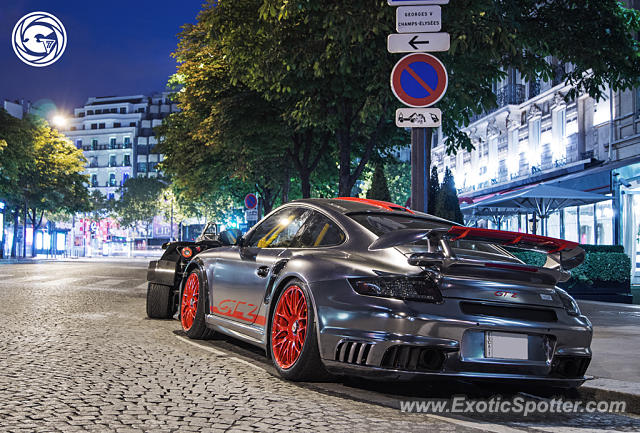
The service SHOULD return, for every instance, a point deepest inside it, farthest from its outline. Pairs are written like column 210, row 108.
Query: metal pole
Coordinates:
column 24, row 233
column 420, row 165
column 171, row 226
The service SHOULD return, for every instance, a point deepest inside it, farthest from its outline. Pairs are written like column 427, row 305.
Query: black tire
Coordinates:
column 159, row 301
column 198, row 329
column 308, row 366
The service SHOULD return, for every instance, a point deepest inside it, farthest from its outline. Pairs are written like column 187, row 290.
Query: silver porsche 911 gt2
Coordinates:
column 360, row 287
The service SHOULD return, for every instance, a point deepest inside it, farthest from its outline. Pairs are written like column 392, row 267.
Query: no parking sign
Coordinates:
column 419, row 80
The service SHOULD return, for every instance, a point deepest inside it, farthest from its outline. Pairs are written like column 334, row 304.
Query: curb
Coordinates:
column 610, row 389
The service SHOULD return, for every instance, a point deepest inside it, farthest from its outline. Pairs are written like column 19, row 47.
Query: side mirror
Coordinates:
column 426, row 259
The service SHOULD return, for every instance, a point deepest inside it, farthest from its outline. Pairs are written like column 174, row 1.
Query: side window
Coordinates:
column 319, row 231
column 280, row 229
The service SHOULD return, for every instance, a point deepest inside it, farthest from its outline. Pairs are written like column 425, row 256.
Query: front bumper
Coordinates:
column 394, row 339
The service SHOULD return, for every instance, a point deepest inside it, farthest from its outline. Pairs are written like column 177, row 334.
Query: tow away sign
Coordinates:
column 418, row 117
column 416, row 2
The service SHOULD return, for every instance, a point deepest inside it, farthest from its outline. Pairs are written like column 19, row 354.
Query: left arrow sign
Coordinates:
column 418, row 42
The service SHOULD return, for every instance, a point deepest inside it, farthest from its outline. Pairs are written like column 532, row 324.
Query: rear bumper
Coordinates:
column 385, row 374
column 389, row 338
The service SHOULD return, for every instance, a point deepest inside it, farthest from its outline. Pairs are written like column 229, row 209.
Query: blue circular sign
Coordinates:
column 419, row 80
column 250, row 201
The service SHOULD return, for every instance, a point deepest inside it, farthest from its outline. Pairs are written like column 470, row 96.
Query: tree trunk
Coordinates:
column 304, row 144
column 268, row 198
column 344, row 158
column 24, row 231
column 347, row 180
column 286, row 186
column 14, row 241
column 305, row 183
column 34, row 228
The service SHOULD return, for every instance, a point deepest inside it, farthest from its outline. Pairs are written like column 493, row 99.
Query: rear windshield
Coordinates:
column 380, row 224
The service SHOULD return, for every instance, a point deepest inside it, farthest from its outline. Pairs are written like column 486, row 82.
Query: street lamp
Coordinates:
column 59, row 121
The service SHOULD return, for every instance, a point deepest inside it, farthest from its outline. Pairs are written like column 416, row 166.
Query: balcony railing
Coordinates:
column 513, row 94
column 90, row 148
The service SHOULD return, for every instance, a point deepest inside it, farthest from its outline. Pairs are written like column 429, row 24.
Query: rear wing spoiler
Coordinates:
column 561, row 254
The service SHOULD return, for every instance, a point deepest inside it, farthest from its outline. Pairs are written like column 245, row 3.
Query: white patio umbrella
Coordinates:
column 540, row 199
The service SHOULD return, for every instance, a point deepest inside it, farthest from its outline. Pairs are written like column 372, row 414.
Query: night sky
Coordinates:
column 114, row 47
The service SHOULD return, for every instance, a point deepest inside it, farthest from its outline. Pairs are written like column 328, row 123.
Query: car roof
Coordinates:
column 347, row 205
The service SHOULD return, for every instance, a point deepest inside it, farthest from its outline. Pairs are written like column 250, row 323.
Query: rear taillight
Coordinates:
column 186, row 252
column 570, row 304
column 406, row 288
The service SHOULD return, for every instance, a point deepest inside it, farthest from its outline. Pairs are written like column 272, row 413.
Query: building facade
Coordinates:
column 536, row 135
column 116, row 135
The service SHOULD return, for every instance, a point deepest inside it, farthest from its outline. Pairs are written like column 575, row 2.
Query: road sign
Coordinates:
column 250, row 201
column 416, row 2
column 251, row 214
column 418, row 19
column 418, row 117
column 418, row 42
column 419, row 80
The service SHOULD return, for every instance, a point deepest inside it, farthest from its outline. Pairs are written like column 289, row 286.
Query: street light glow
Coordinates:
column 59, row 121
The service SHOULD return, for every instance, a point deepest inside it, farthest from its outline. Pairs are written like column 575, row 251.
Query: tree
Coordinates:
column 227, row 139
column 379, row 189
column 447, row 204
column 15, row 159
column 398, row 175
column 434, row 190
column 55, row 181
column 139, row 202
column 41, row 172
column 325, row 61
column 488, row 38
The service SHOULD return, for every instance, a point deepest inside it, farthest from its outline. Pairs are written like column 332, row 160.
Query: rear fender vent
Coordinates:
column 413, row 358
column 353, row 352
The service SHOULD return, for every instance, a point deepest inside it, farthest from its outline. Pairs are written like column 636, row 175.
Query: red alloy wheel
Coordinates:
column 189, row 301
column 289, row 327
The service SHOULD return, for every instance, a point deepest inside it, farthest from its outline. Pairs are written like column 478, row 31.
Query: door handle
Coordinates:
column 262, row 271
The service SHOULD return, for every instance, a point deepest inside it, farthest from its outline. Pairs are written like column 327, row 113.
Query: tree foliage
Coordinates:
column 447, row 204
column 140, row 201
column 379, row 189
column 273, row 91
column 40, row 171
column 490, row 36
column 434, row 190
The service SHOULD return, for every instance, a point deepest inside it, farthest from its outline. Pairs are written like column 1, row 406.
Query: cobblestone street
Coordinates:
column 79, row 354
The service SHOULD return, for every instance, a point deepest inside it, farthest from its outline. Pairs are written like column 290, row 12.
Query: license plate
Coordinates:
column 505, row 345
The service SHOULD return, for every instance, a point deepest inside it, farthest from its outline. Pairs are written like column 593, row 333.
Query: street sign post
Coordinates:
column 250, row 201
column 418, row 42
column 418, row 19
column 418, row 117
column 416, row 2
column 251, row 215
column 419, row 80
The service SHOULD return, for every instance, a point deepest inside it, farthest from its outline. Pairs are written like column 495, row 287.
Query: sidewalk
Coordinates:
column 616, row 352
column 151, row 255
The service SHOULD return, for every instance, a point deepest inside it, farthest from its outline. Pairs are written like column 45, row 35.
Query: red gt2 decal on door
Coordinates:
column 238, row 310
column 502, row 294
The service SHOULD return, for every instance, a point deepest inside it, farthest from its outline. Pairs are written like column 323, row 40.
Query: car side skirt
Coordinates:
column 242, row 331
